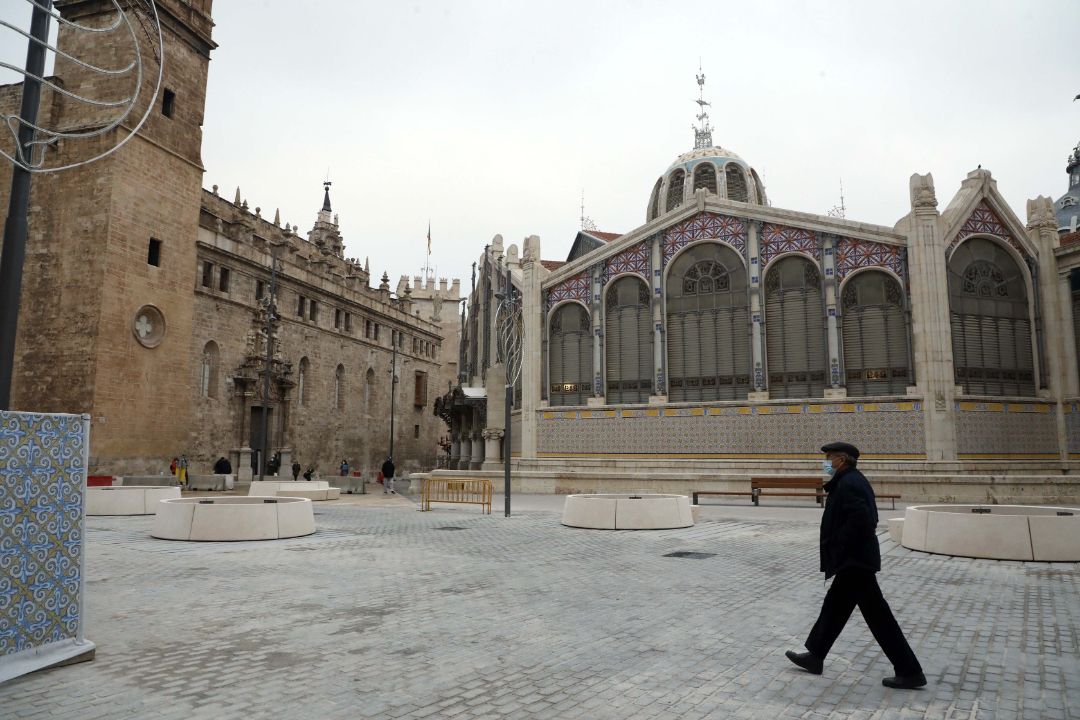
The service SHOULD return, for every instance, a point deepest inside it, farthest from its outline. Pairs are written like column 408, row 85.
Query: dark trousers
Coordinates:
column 859, row 587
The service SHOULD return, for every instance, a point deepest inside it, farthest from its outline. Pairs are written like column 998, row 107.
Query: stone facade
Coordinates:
column 987, row 359
column 143, row 299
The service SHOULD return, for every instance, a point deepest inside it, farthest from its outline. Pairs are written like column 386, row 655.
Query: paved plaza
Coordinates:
column 387, row 612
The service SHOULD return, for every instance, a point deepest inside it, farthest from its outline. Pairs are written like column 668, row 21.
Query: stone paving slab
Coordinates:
column 388, row 613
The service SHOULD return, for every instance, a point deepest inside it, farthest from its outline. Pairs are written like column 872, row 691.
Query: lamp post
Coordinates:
column 509, row 326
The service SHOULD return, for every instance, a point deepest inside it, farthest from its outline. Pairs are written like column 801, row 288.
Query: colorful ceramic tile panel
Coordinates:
column 985, row 221
column 705, row 226
column 852, row 254
column 42, row 476
column 572, row 288
column 634, row 259
column 779, row 239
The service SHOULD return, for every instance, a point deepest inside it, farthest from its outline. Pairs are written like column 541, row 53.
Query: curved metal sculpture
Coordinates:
column 138, row 21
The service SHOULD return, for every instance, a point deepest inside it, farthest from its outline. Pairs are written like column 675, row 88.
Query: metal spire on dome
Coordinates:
column 703, row 131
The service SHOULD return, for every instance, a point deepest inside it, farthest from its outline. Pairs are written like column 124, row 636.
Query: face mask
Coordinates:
column 827, row 468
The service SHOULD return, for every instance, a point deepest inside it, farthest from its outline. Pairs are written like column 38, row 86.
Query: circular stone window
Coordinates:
column 148, row 326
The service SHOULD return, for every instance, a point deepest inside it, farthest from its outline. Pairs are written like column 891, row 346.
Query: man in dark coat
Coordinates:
column 222, row 467
column 850, row 552
column 388, row 476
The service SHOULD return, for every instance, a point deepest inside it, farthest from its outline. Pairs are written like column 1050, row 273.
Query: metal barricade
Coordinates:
column 459, row 491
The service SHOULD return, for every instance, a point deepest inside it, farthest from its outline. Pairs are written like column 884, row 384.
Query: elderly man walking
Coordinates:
column 850, row 552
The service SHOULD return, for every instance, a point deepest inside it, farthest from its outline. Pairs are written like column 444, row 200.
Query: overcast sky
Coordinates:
column 493, row 117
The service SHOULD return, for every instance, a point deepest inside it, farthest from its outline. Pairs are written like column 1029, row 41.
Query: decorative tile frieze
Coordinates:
column 984, row 221
column 1005, row 430
column 575, row 287
column 885, row 429
column 779, row 239
column 852, row 255
column 634, row 259
column 705, row 226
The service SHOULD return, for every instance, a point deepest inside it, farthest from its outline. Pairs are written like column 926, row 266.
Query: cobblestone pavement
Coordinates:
column 390, row 613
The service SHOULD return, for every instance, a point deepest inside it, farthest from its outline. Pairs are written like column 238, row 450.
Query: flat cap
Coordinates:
column 842, row 447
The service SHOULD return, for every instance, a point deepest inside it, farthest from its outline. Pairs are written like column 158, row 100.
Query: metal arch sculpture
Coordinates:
column 31, row 156
column 510, row 330
column 510, row 341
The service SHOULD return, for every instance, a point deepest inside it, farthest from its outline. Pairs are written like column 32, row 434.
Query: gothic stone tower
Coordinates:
column 106, row 311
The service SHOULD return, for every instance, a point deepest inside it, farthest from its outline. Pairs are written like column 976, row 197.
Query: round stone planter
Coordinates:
column 127, row 499
column 997, row 532
column 312, row 490
column 627, row 512
column 233, row 518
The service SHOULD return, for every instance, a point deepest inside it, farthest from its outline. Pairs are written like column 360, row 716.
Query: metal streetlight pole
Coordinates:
column 508, row 432
column 15, row 228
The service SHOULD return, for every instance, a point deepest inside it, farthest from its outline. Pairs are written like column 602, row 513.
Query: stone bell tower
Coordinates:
column 107, row 303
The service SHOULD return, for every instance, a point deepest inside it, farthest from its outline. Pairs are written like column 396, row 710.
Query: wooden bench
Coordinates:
column 791, row 484
column 797, row 487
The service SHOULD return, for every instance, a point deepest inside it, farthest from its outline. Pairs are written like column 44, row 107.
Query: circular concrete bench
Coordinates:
column 627, row 512
column 998, row 532
column 127, row 499
column 233, row 518
column 312, row 490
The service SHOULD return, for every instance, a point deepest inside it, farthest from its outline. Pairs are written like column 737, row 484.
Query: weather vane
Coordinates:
column 703, row 131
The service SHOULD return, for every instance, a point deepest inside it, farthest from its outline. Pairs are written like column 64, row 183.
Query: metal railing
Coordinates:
column 452, row 490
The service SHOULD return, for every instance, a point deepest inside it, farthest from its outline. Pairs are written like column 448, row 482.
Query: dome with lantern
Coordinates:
column 719, row 171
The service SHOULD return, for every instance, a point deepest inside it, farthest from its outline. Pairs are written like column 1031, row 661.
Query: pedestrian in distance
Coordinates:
column 309, row 472
column 222, row 466
column 388, row 476
column 344, row 468
column 181, row 471
column 851, row 556
column 174, row 466
column 295, row 470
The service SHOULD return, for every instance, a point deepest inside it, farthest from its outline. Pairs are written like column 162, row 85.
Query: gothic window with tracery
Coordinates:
column 736, row 182
column 675, row 189
column 990, row 320
column 705, row 177
column 874, row 331
column 708, row 325
column 302, row 380
column 794, row 329
column 628, row 340
column 339, row 387
column 570, row 356
column 208, row 381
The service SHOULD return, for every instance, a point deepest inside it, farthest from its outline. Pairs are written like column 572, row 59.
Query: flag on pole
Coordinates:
column 429, row 237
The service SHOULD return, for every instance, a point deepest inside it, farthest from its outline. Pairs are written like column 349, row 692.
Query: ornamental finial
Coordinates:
column 703, row 131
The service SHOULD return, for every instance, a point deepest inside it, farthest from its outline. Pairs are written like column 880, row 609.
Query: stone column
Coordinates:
column 493, row 448
column 531, row 356
column 835, row 389
column 656, row 257
column 1042, row 231
column 757, row 338
column 465, row 445
column 931, row 333
column 243, row 465
column 477, row 451
column 1071, row 381
column 596, row 316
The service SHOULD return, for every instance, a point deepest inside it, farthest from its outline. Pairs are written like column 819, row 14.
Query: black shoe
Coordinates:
column 806, row 661
column 905, row 682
